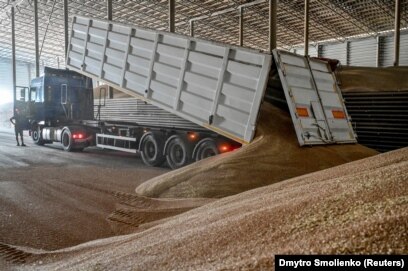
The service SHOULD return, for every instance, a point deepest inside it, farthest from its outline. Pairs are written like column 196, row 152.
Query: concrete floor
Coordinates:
column 52, row 199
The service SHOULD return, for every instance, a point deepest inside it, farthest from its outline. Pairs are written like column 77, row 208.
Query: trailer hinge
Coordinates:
column 210, row 119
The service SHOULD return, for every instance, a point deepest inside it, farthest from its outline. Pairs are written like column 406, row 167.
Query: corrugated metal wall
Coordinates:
column 363, row 53
column 24, row 73
column 5, row 74
column 301, row 51
column 387, row 50
column 337, row 51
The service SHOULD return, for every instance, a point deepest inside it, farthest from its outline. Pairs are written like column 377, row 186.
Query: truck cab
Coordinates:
column 60, row 97
column 56, row 102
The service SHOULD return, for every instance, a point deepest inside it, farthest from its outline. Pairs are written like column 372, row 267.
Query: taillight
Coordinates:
column 192, row 136
column 78, row 136
column 225, row 148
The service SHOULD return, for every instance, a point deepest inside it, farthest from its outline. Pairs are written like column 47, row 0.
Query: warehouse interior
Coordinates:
column 329, row 22
column 239, row 209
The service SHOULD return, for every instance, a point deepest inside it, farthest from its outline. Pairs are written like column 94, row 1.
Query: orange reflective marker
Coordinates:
column 302, row 112
column 338, row 114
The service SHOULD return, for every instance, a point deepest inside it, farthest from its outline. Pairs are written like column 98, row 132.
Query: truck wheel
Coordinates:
column 178, row 152
column 36, row 136
column 152, row 150
column 205, row 148
column 66, row 140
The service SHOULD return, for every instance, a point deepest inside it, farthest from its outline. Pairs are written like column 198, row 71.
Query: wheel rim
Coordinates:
column 208, row 152
column 177, row 154
column 35, row 135
column 65, row 140
column 150, row 150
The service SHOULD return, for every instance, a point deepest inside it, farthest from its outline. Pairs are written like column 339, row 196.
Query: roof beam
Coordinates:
column 335, row 7
column 224, row 11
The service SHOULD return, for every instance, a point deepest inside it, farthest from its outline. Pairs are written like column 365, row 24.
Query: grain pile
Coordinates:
column 359, row 207
column 372, row 79
column 273, row 156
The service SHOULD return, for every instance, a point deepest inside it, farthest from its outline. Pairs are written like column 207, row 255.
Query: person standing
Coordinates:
column 18, row 122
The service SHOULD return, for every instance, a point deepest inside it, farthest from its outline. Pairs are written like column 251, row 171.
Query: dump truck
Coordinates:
column 216, row 88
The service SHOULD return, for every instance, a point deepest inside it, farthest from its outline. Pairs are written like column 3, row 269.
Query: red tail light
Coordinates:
column 78, row 136
column 192, row 136
column 225, row 148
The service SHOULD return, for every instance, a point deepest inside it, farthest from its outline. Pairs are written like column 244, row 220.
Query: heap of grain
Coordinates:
column 273, row 156
column 359, row 207
column 372, row 79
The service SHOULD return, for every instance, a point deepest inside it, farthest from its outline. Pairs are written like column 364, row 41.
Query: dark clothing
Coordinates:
column 18, row 126
column 18, row 122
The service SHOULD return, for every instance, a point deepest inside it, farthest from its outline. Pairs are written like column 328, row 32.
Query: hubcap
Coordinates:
column 65, row 140
column 177, row 154
column 208, row 153
column 150, row 150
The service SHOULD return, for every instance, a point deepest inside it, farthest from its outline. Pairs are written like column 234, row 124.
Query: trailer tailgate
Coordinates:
column 314, row 100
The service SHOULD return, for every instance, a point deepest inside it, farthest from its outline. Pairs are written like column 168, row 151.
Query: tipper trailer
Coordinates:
column 216, row 88
column 59, row 107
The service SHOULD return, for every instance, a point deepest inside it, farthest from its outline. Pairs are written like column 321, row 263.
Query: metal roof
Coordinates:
column 218, row 20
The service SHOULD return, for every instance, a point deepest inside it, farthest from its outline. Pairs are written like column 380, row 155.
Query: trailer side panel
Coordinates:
column 214, row 85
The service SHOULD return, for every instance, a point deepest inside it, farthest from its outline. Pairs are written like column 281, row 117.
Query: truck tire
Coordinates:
column 207, row 147
column 178, row 152
column 37, row 136
column 151, row 148
column 66, row 140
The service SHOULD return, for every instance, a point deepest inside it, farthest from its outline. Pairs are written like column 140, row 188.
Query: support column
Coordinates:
column 110, row 17
column 241, row 26
column 348, row 53
column 66, row 27
column 37, row 54
column 29, row 72
column 110, row 10
column 378, row 53
column 397, row 32
column 272, row 24
column 171, row 15
column 13, row 55
column 306, row 27
column 192, row 28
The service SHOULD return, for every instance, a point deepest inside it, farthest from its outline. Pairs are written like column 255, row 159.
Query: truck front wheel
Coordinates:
column 152, row 150
column 36, row 135
column 178, row 152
